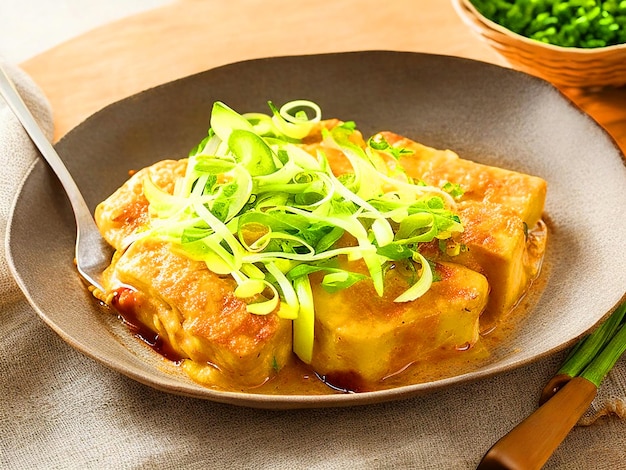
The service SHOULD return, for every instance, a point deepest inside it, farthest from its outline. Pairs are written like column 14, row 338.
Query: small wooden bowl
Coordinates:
column 563, row 66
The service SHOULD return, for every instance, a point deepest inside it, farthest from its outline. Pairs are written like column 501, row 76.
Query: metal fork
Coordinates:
column 93, row 253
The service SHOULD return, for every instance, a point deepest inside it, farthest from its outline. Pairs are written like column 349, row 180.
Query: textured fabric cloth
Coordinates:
column 60, row 409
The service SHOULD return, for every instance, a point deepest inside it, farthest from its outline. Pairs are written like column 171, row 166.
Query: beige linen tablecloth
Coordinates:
column 60, row 409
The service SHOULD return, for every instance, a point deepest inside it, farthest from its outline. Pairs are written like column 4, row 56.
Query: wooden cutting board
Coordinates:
column 125, row 57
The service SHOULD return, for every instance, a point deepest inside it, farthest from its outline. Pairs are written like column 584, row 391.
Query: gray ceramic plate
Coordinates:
column 487, row 113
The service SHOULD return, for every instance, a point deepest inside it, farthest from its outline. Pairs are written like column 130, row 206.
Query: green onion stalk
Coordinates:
column 593, row 356
column 253, row 204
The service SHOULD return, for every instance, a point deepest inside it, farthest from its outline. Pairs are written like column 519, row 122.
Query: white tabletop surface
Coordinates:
column 29, row 27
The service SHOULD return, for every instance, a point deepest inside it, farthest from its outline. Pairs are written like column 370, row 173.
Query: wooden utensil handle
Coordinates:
column 531, row 443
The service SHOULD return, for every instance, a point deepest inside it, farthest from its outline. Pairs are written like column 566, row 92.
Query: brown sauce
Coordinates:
column 124, row 304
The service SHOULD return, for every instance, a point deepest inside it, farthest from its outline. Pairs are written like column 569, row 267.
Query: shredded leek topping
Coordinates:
column 255, row 205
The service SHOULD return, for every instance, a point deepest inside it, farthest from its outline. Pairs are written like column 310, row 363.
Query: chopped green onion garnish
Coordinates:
column 566, row 23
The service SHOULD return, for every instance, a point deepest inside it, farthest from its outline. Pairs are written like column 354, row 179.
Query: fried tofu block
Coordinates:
column 498, row 247
column 497, row 210
column 192, row 310
column 196, row 313
column 361, row 338
column 521, row 193
column 126, row 210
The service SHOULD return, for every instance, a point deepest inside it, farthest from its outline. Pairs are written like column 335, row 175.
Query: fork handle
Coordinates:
column 531, row 443
column 23, row 114
column 94, row 251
